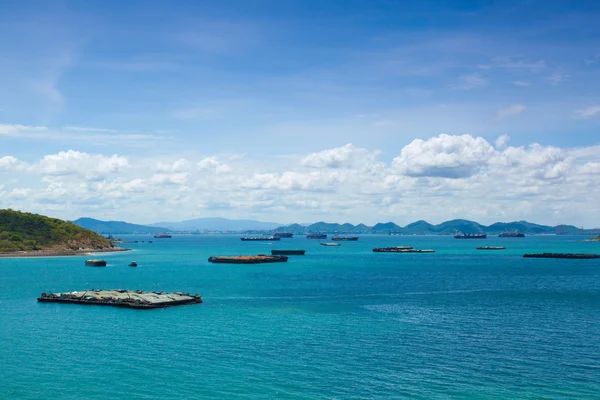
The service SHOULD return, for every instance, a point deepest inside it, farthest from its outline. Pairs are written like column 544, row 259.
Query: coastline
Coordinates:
column 58, row 253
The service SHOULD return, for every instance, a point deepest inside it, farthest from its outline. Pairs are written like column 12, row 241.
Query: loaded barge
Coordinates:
column 316, row 236
column 122, row 298
column 95, row 263
column 288, row 252
column 260, row 239
column 491, row 248
column 258, row 259
column 562, row 255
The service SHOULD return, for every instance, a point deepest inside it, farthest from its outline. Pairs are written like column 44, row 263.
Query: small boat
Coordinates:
column 95, row 263
column 329, row 244
column 345, row 238
column 491, row 248
column 316, row 236
column 133, row 264
column 162, row 236
column 288, row 252
column 258, row 259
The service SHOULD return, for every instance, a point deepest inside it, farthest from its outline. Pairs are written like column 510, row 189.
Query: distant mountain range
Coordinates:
column 416, row 228
column 116, row 227
column 218, row 224
column 445, row 228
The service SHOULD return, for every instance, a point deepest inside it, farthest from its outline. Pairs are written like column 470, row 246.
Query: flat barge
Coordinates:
column 401, row 249
column 330, row 244
column 95, row 263
column 258, row 259
column 491, row 248
column 316, row 236
column 344, row 238
column 288, row 252
column 122, row 298
column 562, row 255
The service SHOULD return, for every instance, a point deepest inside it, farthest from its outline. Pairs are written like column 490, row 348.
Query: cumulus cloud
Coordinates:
column 341, row 157
column 178, row 178
column 177, row 166
column 588, row 112
column 8, row 163
column 444, row 156
column 213, row 164
column 502, row 141
column 509, row 111
column 77, row 163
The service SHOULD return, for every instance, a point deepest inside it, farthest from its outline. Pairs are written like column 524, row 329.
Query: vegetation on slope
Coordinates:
column 24, row 231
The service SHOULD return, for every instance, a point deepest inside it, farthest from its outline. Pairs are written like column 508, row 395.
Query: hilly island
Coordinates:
column 32, row 234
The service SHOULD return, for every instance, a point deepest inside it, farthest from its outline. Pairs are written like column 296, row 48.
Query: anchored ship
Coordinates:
column 461, row 235
column 514, row 234
column 344, row 238
column 259, row 238
column 162, row 236
column 316, row 236
column 288, row 252
column 285, row 235
column 258, row 259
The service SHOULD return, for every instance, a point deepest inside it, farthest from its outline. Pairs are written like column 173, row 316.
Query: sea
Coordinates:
column 338, row 323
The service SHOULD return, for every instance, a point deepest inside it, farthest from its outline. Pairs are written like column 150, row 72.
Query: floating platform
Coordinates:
column 95, row 263
column 491, row 248
column 122, row 298
column 400, row 249
column 562, row 255
column 330, row 244
column 258, row 259
column 288, row 252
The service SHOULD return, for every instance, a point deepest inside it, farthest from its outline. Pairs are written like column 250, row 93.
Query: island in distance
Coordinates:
column 203, row 225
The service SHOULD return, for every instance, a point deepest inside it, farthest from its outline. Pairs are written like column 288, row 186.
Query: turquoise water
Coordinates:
column 338, row 323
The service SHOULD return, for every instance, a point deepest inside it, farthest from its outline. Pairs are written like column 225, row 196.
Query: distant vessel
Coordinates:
column 316, row 236
column 95, row 263
column 162, row 236
column 288, row 252
column 562, row 255
column 329, row 244
column 513, row 234
column 133, row 264
column 258, row 259
column 285, row 235
column 345, row 238
column 400, row 249
column 460, row 235
column 491, row 248
column 259, row 238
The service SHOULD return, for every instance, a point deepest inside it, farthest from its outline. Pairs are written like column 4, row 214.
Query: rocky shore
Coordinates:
column 57, row 253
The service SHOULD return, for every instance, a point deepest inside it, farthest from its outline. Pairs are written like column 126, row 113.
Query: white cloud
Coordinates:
column 213, row 164
column 557, row 77
column 468, row 82
column 588, row 112
column 177, row 166
column 19, row 130
column 178, row 178
column 444, row 156
column 341, row 157
column 73, row 162
column 509, row 111
column 502, row 141
column 9, row 163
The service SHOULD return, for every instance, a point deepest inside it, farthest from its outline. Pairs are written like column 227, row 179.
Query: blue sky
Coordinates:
column 262, row 86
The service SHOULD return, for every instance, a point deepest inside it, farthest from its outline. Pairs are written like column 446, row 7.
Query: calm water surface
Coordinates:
column 338, row 323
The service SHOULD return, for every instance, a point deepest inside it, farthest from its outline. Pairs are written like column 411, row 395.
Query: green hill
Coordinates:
column 21, row 231
column 115, row 227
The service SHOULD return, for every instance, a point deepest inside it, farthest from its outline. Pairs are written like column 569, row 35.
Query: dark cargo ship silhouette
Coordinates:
column 316, row 236
column 461, row 235
column 513, row 234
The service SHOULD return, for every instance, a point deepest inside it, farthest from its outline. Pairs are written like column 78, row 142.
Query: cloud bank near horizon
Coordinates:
column 440, row 178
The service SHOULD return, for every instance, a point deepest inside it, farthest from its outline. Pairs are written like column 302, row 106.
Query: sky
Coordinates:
column 301, row 111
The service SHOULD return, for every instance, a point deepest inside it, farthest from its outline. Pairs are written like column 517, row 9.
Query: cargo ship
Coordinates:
column 562, row 255
column 162, row 236
column 137, row 299
column 258, row 259
column 491, row 248
column 461, row 235
column 316, row 236
column 344, row 238
column 284, row 235
column 288, row 252
column 400, row 249
column 259, row 238
column 515, row 234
